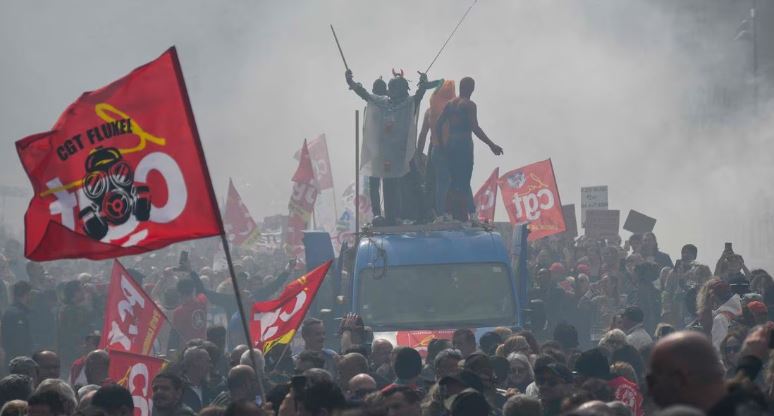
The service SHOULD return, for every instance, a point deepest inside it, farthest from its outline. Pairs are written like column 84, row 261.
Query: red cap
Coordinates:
column 757, row 307
column 557, row 268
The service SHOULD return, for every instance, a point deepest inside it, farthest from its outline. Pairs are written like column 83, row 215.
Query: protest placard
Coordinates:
column 602, row 223
column 592, row 197
column 639, row 223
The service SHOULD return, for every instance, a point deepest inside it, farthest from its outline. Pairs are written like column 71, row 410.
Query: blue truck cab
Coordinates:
column 430, row 277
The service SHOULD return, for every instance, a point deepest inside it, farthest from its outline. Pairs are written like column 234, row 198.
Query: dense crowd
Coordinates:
column 611, row 328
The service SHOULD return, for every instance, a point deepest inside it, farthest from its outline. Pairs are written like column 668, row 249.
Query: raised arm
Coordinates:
column 472, row 111
column 356, row 86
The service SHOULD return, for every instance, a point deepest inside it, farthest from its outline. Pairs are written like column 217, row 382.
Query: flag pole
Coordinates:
column 357, row 177
column 214, row 202
column 238, row 295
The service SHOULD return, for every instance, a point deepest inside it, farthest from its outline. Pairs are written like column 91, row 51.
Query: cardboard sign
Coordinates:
column 639, row 223
column 602, row 223
column 592, row 197
column 570, row 221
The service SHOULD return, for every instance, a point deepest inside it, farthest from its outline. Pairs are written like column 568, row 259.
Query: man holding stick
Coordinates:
column 390, row 135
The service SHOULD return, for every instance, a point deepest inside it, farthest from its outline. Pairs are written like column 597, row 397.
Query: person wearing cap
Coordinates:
column 759, row 312
column 717, row 307
column 632, row 323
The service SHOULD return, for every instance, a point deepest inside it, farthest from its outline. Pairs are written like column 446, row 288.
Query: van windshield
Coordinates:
column 436, row 296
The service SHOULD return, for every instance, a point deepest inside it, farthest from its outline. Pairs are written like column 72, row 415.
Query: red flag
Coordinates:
column 136, row 373
column 122, row 171
column 321, row 163
column 420, row 340
column 531, row 196
column 240, row 226
column 132, row 319
column 486, row 197
column 276, row 321
column 301, row 204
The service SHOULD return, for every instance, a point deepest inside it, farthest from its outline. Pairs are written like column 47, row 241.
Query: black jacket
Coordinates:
column 17, row 339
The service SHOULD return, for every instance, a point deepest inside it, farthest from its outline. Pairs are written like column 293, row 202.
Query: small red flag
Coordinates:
column 136, row 373
column 239, row 225
column 531, row 196
column 132, row 319
column 301, row 205
column 276, row 321
column 486, row 197
column 122, row 171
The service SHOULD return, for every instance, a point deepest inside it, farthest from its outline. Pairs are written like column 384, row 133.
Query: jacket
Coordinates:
column 638, row 337
column 15, row 331
column 722, row 317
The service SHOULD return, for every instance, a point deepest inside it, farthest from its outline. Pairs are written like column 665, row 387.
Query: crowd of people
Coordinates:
column 611, row 328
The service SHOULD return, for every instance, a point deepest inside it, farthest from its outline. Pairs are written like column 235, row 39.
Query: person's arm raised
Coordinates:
column 356, row 86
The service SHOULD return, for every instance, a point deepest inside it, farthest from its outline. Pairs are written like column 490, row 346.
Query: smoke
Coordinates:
column 648, row 97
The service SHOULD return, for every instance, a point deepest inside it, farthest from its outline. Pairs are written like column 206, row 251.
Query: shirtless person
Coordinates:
column 460, row 113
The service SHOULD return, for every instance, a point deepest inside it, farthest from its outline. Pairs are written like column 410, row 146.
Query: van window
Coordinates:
column 436, row 296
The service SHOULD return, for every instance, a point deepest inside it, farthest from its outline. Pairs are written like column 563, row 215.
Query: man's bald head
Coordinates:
column 242, row 383
column 361, row 384
column 351, row 365
column 685, row 369
column 467, row 85
column 236, row 354
column 96, row 366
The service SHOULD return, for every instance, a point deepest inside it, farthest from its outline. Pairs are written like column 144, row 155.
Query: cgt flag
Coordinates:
column 531, row 196
column 121, row 172
column 240, row 226
column 132, row 319
column 301, row 205
column 136, row 373
column 486, row 197
column 276, row 321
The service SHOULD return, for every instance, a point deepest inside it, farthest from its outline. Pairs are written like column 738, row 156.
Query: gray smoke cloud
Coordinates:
column 647, row 97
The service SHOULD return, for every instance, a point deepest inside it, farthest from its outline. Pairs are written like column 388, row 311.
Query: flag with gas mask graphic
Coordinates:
column 122, row 171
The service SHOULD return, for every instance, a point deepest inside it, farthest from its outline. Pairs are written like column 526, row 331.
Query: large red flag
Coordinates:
column 486, row 197
column 301, row 204
column 122, row 171
column 275, row 322
column 531, row 196
column 240, row 226
column 136, row 373
column 132, row 320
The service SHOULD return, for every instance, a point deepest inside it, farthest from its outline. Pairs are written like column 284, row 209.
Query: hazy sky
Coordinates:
column 608, row 89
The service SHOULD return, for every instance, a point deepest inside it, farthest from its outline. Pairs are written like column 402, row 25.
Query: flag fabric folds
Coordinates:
column 301, row 205
column 136, row 373
column 486, row 197
column 531, row 196
column 275, row 322
column 121, row 172
column 132, row 319
column 240, row 226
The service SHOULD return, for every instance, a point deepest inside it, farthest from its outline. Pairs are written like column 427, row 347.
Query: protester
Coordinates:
column 167, row 396
column 15, row 324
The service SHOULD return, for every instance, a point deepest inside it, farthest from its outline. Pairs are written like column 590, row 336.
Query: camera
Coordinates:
column 114, row 198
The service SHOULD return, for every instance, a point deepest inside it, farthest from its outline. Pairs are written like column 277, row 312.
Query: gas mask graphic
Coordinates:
column 109, row 185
